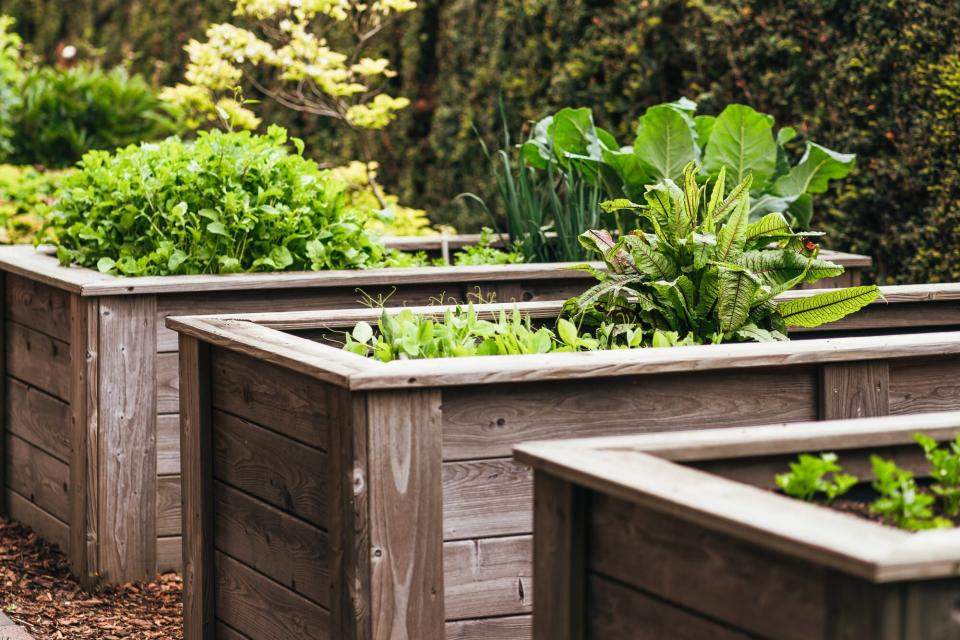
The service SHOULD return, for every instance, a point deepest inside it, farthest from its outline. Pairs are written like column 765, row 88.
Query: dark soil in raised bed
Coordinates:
column 39, row 594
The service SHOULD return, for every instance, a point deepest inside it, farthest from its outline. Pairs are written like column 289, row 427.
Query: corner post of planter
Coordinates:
column 84, row 427
column 854, row 390
column 559, row 523
column 127, row 464
column 197, row 491
column 3, row 393
column 404, row 480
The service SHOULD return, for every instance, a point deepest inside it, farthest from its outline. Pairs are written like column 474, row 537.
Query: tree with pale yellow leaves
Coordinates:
column 284, row 50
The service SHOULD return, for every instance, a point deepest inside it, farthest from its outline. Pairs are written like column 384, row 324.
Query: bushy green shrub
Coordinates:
column 228, row 202
column 10, row 79
column 871, row 78
column 26, row 197
column 63, row 113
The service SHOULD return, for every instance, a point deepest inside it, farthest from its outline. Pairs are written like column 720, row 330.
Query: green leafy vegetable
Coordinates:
column 946, row 471
column 228, row 202
column 705, row 272
column 484, row 253
column 812, row 475
column 901, row 502
column 26, row 196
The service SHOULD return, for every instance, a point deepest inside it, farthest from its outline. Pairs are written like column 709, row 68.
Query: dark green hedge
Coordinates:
column 877, row 77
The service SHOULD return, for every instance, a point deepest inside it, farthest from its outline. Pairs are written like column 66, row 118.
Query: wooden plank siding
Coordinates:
column 269, row 500
column 678, row 544
column 35, row 391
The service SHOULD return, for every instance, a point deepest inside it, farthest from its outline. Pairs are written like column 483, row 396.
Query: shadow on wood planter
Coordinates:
column 680, row 535
column 91, row 387
column 305, row 466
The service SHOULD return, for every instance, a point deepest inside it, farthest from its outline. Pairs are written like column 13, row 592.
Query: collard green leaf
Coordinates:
column 815, row 170
column 703, row 125
column 665, row 142
column 829, row 306
column 742, row 141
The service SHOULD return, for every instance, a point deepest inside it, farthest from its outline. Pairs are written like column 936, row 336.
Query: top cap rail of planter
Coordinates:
column 316, row 359
column 30, row 262
column 305, row 320
column 644, row 470
column 461, row 240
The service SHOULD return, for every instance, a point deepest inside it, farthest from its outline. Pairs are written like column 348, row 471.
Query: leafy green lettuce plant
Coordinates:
column 740, row 141
column 811, row 475
column 228, row 202
column 405, row 335
column 946, row 471
column 706, row 271
column 901, row 502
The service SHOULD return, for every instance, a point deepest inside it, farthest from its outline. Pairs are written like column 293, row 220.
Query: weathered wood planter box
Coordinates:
column 305, row 466
column 680, row 536
column 90, row 387
column 445, row 246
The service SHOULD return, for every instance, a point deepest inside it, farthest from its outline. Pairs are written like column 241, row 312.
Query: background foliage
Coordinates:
column 879, row 78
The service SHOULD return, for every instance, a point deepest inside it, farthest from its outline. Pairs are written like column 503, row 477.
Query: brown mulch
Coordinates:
column 39, row 594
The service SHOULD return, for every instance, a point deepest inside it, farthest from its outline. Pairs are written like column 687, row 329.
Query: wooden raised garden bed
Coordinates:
column 90, row 387
column 445, row 246
column 680, row 536
column 306, row 466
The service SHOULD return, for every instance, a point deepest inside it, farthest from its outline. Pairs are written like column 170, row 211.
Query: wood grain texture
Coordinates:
column 197, row 489
column 404, row 475
column 921, row 385
column 560, row 556
column 280, row 471
column 5, row 412
column 488, row 421
column 169, row 516
column 168, row 444
column 284, row 300
column 262, row 609
column 619, row 613
column 170, row 554
column 698, row 570
column 168, row 383
column 860, row 609
column 483, row 498
column 40, row 419
column 281, row 547
column 128, row 442
column 350, row 552
column 41, row 307
column 855, row 390
column 50, row 528
column 487, row 578
column 270, row 396
column 226, row 632
column 38, row 359
column 38, row 477
column 41, row 265
column 507, row 628
column 83, row 428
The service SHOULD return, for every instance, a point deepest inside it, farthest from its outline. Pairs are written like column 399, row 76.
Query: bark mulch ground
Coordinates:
column 39, row 594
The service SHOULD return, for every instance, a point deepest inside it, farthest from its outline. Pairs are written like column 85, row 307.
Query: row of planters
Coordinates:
column 297, row 451
column 703, row 534
column 403, row 468
column 319, row 452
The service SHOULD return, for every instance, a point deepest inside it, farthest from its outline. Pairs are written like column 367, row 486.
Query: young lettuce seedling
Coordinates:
column 901, row 502
column 808, row 477
column 946, row 471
